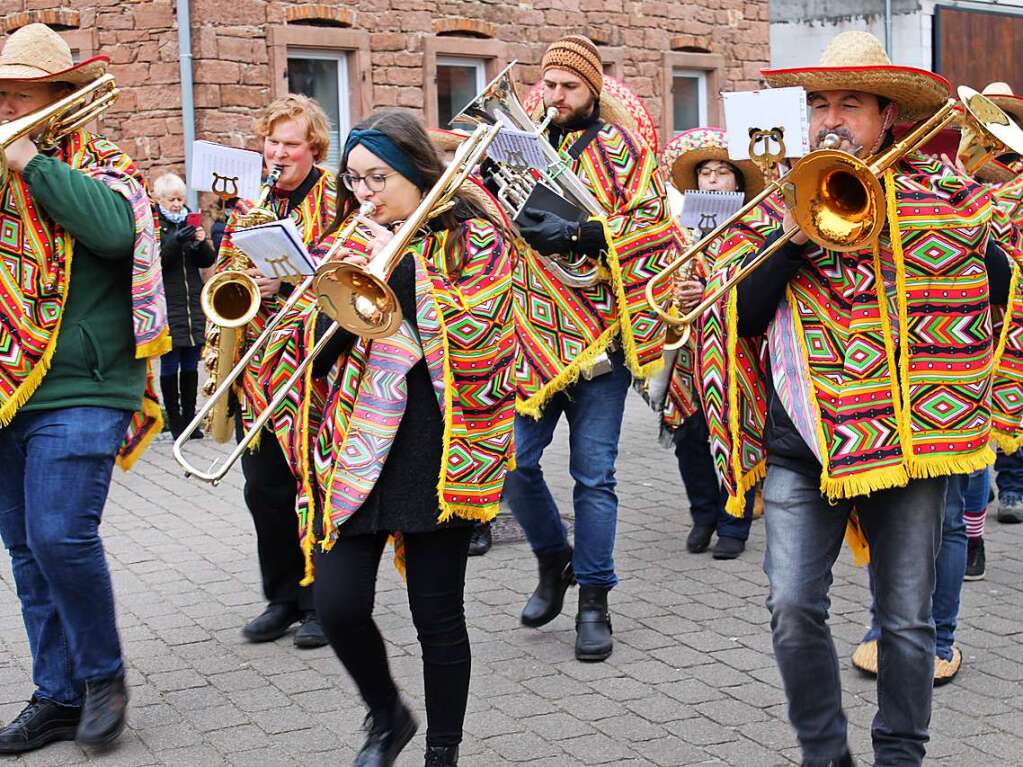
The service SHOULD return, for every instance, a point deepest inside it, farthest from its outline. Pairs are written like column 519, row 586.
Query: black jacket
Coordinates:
column 183, row 283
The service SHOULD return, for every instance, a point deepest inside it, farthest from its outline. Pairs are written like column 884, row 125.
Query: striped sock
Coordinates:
column 975, row 523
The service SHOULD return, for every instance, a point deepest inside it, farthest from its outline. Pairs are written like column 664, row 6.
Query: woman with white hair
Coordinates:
column 184, row 250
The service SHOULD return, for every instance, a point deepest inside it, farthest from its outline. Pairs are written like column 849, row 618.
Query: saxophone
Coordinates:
column 230, row 299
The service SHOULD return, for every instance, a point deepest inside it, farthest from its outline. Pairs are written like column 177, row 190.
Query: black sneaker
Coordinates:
column 976, row 562
column 272, row 623
column 698, row 539
column 1010, row 509
column 104, row 712
column 482, row 539
column 310, row 633
column 40, row 722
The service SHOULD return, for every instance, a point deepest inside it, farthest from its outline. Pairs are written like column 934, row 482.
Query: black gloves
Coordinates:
column 547, row 232
column 184, row 234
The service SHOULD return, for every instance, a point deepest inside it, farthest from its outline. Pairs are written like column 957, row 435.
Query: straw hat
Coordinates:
column 688, row 149
column 618, row 105
column 35, row 53
column 1002, row 96
column 856, row 61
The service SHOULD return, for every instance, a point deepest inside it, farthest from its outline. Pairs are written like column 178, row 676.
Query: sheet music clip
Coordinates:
column 767, row 148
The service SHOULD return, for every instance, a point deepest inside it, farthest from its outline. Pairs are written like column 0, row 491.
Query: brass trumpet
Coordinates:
column 837, row 199
column 60, row 118
column 218, row 399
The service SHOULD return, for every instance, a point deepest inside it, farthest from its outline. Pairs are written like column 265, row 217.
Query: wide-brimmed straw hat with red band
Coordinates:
column 37, row 54
column 856, row 61
column 688, row 149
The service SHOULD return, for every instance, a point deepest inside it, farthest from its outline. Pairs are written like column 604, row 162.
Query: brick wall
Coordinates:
column 233, row 59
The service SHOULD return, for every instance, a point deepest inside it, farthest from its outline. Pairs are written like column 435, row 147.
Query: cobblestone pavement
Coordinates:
column 691, row 682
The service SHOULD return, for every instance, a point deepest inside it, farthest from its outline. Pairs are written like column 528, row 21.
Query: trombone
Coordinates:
column 837, row 199
column 357, row 298
column 59, row 118
column 219, row 398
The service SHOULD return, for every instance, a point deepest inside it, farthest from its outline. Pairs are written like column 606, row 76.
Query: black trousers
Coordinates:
column 270, row 492
column 345, row 589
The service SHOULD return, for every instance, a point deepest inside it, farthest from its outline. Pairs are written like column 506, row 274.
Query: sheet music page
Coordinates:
column 705, row 210
column 225, row 170
column 276, row 249
column 517, row 148
column 783, row 108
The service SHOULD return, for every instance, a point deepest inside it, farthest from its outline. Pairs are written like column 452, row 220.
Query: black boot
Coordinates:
column 390, row 730
column 189, row 385
column 309, row 634
column 441, row 756
column 40, row 722
column 593, row 625
column 555, row 577
column 845, row 760
column 104, row 712
column 169, row 391
column 272, row 623
column 482, row 539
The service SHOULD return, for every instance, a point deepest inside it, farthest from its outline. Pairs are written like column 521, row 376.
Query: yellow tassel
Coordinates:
column 924, row 467
column 533, row 406
column 857, row 541
column 1007, row 443
column 836, row 488
column 152, row 410
column 736, row 504
column 155, row 348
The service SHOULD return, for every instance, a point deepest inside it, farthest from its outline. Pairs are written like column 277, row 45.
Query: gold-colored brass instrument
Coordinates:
column 358, row 298
column 498, row 104
column 230, row 299
column 219, row 397
column 836, row 199
column 54, row 122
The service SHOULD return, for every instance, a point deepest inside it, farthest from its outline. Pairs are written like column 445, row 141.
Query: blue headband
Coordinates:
column 383, row 146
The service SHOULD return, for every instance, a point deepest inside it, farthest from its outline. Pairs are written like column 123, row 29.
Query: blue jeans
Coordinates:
column 594, row 411
column 57, row 466
column 804, row 538
column 706, row 498
column 1009, row 470
column 184, row 358
column 950, row 567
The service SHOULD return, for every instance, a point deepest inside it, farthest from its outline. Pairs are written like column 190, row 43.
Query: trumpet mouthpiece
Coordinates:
column 367, row 208
column 831, row 141
column 552, row 112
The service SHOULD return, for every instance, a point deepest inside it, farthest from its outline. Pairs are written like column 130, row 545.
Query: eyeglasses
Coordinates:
column 375, row 182
column 707, row 172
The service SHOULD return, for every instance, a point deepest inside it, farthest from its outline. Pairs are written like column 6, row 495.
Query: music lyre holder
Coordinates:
column 761, row 151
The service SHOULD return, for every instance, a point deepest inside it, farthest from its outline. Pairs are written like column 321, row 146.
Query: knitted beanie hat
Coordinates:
column 578, row 55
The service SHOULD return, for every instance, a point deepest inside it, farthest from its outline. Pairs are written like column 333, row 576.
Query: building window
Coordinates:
column 691, row 91
column 688, row 99
column 459, row 79
column 323, row 75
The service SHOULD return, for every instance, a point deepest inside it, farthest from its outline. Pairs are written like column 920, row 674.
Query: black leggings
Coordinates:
column 345, row 589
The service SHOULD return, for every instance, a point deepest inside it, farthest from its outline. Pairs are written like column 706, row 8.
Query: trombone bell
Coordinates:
column 358, row 300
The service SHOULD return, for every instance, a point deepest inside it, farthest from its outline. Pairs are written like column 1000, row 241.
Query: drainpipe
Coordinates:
column 888, row 27
column 187, row 99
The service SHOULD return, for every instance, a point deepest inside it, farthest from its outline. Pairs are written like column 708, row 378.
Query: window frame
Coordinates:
column 712, row 65
column 342, row 57
column 480, row 66
column 493, row 54
column 702, row 95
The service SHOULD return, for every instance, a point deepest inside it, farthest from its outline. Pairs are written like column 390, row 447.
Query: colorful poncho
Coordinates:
column 33, row 308
column 466, row 334
column 312, row 217
column 881, row 391
column 562, row 330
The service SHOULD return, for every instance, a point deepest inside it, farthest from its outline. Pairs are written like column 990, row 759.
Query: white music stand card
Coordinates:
column 276, row 249
column 705, row 210
column 765, row 110
column 520, row 149
column 226, row 170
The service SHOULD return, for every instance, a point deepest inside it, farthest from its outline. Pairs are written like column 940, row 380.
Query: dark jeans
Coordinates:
column 706, row 498
column 345, row 589
column 804, row 538
column 54, row 484
column 1009, row 471
column 270, row 494
column 180, row 358
column 594, row 411
column 950, row 567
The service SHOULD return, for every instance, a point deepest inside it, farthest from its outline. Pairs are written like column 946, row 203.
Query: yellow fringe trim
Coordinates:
column 884, row 478
column 152, row 410
column 741, row 480
column 818, row 419
column 533, row 405
column 155, row 348
column 1010, row 313
column 303, row 460
column 28, row 387
column 926, row 466
column 1007, row 443
column 735, row 505
column 624, row 319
